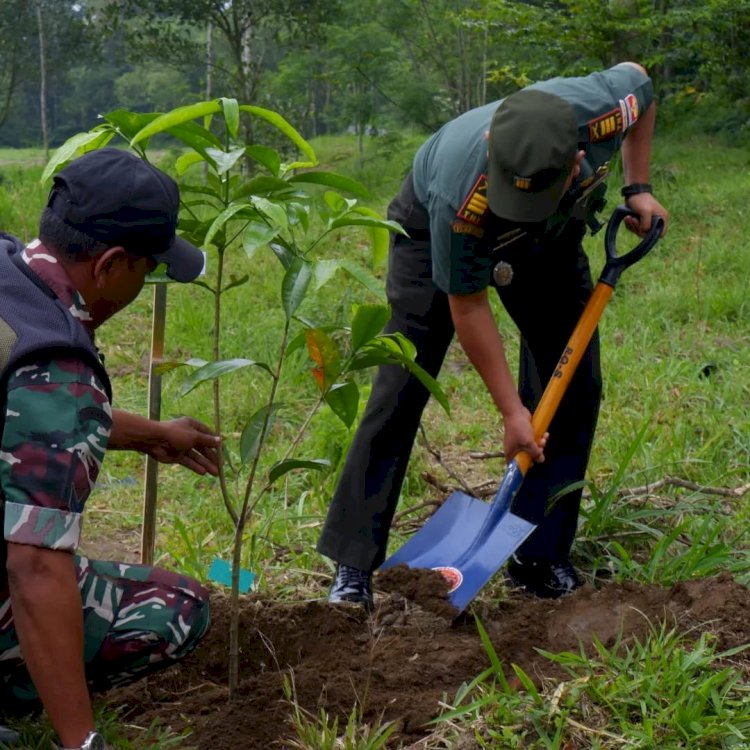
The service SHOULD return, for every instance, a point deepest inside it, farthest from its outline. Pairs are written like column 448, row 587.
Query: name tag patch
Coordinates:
column 463, row 227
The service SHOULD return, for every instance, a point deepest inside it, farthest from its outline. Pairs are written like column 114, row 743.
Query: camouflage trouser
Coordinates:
column 137, row 619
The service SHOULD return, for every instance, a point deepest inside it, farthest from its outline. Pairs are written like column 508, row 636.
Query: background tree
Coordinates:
column 370, row 66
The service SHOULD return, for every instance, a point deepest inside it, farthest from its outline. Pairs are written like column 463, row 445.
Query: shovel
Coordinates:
column 467, row 540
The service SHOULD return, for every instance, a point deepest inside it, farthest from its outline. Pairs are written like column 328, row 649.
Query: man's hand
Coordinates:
column 184, row 441
column 190, row 443
column 519, row 436
column 646, row 206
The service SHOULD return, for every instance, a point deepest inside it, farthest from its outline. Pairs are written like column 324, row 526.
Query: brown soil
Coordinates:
column 399, row 662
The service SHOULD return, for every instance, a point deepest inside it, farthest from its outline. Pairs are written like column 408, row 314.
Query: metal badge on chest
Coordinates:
column 502, row 273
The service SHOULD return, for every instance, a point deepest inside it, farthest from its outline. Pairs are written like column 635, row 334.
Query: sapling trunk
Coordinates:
column 245, row 512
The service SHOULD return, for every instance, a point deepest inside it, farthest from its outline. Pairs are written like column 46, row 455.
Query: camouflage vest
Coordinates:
column 33, row 321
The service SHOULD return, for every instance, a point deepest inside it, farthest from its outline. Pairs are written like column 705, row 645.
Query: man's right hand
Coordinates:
column 519, row 436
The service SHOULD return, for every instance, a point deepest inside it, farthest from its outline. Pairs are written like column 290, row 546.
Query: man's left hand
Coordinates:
column 646, row 206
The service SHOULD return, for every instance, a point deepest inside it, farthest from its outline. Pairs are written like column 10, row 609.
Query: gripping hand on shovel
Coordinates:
column 519, row 436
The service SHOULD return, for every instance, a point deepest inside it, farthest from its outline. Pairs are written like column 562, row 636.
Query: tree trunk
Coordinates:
column 42, row 81
column 209, row 59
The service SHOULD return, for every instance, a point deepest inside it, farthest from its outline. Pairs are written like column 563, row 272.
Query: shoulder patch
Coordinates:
column 630, row 108
column 475, row 204
column 607, row 126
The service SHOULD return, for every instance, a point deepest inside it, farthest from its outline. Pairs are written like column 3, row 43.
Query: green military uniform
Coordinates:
column 456, row 246
column 56, row 428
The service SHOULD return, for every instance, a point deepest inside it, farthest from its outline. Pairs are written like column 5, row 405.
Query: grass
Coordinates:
column 666, row 690
column 676, row 353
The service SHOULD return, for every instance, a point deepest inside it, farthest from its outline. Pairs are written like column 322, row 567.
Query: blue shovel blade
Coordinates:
column 446, row 534
column 506, row 537
column 468, row 540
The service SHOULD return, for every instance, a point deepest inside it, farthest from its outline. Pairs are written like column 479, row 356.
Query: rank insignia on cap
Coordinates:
column 606, row 126
column 475, row 205
column 522, row 183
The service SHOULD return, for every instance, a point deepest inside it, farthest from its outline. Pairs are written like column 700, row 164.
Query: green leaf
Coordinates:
column 218, row 223
column 343, row 398
column 380, row 236
column 268, row 157
column 323, row 271
column 273, row 211
column 294, row 286
column 395, row 349
column 214, row 370
column 129, row 123
column 250, row 438
column 187, row 160
column 196, row 137
column 283, row 467
column 231, row 115
column 263, row 185
column 298, row 214
column 353, row 219
column 176, row 117
column 256, row 235
column 225, row 160
column 381, row 242
column 235, row 282
column 338, row 204
column 364, row 277
column 400, row 344
column 167, row 366
column 331, row 179
column 281, row 124
column 75, row 146
column 368, row 322
column 159, row 275
column 283, row 253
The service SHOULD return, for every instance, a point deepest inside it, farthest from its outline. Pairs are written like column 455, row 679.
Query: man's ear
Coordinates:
column 108, row 264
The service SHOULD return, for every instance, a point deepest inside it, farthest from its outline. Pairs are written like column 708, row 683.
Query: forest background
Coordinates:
column 371, row 67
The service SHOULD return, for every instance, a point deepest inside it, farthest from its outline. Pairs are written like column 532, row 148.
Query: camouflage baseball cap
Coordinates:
column 533, row 140
column 117, row 198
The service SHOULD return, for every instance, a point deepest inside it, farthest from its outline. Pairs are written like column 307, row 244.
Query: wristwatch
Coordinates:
column 636, row 188
column 93, row 741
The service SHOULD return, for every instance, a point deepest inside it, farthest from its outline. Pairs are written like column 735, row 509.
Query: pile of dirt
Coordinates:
column 400, row 661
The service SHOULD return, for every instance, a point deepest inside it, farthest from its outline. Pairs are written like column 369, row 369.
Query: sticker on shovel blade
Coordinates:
column 453, row 577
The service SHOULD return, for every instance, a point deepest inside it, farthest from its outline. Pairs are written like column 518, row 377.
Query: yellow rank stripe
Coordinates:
column 607, row 126
column 475, row 204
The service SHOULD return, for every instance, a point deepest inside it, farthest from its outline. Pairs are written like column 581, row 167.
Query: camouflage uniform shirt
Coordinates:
column 56, row 428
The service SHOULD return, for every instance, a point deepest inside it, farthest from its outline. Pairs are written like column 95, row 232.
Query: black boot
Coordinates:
column 352, row 585
column 546, row 579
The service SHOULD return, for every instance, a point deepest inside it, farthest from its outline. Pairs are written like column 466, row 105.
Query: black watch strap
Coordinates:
column 635, row 188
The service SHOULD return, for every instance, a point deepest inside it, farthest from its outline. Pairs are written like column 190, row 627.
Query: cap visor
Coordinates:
column 184, row 261
column 507, row 202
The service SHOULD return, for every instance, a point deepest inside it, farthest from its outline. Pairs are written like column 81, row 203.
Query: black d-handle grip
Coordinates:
column 615, row 264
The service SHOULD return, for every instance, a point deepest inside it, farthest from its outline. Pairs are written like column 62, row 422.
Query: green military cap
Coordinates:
column 533, row 141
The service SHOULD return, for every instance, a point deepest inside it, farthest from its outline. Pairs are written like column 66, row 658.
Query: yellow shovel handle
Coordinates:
column 566, row 367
